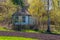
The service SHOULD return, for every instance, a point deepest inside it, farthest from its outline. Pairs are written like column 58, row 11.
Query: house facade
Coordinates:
column 22, row 17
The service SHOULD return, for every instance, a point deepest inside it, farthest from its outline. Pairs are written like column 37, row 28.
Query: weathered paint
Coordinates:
column 23, row 23
column 31, row 20
column 28, row 20
column 27, row 17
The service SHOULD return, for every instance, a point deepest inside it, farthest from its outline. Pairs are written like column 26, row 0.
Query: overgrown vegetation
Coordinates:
column 37, row 9
column 7, row 9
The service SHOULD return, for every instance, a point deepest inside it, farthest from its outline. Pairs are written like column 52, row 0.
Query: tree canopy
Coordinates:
column 18, row 2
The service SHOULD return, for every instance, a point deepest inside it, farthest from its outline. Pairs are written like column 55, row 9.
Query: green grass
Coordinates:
column 3, row 28
column 56, row 32
column 15, row 38
column 30, row 31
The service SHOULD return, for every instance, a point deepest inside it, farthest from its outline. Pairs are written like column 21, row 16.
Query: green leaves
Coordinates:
column 18, row 2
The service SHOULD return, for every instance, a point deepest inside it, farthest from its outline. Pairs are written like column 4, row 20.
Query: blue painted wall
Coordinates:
column 23, row 23
column 28, row 20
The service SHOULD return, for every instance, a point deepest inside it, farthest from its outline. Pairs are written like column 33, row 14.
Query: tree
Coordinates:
column 55, row 14
column 18, row 2
column 7, row 9
column 37, row 10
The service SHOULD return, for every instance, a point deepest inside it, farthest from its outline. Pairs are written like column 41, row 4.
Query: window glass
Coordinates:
column 20, row 19
column 23, row 18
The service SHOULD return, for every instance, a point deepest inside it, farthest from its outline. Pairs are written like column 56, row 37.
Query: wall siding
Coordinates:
column 31, row 20
column 23, row 23
column 28, row 20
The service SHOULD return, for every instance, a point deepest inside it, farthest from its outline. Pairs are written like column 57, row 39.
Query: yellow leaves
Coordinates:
column 55, row 10
column 36, row 7
column 37, row 3
column 8, row 8
column 55, row 3
column 29, row 1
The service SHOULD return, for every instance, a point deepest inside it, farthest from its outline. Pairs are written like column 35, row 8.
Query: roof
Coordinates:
column 22, row 12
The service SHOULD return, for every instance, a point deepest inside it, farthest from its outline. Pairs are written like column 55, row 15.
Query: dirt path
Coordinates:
column 31, row 35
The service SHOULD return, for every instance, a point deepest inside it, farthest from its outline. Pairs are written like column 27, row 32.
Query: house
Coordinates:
column 23, row 18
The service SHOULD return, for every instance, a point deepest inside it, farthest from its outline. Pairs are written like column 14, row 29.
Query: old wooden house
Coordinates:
column 23, row 18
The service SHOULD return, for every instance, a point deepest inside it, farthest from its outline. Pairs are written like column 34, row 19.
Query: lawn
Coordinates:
column 2, row 28
column 30, row 31
column 15, row 38
column 5, row 29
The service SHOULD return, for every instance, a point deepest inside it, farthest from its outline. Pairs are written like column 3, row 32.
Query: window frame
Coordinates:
column 22, row 19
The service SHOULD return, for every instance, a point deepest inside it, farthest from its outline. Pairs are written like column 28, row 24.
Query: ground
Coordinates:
column 37, row 36
column 27, row 34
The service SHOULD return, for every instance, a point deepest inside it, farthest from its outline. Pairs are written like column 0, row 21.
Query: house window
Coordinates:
column 23, row 18
column 20, row 19
column 16, row 18
column 58, row 3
